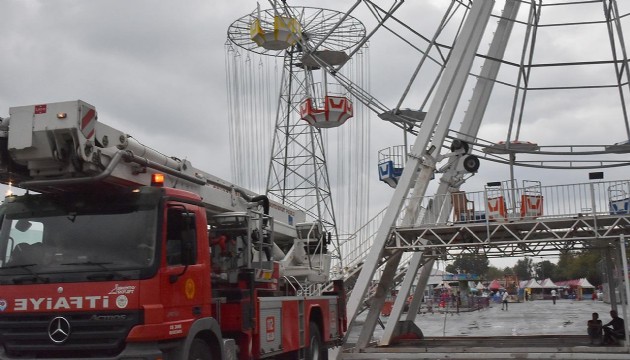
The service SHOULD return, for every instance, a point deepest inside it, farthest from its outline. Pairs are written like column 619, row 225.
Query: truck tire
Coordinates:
column 199, row 350
column 316, row 349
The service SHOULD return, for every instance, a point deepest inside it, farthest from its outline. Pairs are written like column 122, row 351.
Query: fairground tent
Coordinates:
column 535, row 289
column 585, row 290
column 494, row 285
column 532, row 284
column 585, row 284
column 548, row 284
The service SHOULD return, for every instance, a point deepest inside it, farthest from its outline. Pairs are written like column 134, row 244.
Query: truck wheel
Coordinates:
column 199, row 350
column 316, row 350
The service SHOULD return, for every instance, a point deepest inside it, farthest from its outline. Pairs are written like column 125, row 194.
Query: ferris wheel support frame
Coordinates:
column 450, row 180
column 426, row 147
column 614, row 11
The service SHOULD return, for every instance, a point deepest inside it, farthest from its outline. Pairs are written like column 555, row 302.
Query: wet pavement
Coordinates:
column 538, row 317
column 534, row 330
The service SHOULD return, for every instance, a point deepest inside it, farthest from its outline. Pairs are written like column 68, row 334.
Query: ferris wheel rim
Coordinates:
column 347, row 35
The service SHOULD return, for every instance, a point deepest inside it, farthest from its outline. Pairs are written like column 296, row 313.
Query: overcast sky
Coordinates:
column 156, row 70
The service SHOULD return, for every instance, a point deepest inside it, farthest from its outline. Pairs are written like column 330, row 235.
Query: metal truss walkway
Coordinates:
column 516, row 238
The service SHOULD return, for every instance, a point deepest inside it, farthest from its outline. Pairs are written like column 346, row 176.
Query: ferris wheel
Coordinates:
column 518, row 131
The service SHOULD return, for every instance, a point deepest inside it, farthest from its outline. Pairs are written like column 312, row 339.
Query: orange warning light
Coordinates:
column 157, row 179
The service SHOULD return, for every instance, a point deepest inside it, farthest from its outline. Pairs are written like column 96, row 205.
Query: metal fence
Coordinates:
column 502, row 202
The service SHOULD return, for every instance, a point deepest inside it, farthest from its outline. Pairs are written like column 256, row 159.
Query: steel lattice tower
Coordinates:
column 298, row 175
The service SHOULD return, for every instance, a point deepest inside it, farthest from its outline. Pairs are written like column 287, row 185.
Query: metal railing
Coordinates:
column 355, row 247
column 503, row 203
column 529, row 201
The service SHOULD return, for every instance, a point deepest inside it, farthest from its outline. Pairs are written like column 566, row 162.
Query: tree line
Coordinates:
column 570, row 265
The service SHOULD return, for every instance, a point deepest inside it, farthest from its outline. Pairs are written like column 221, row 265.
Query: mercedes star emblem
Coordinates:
column 59, row 330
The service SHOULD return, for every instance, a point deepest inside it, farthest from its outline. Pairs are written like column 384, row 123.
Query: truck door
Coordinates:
column 182, row 276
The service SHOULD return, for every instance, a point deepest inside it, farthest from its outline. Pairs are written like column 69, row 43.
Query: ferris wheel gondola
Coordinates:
column 285, row 32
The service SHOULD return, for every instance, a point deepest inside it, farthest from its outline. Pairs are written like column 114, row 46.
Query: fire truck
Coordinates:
column 117, row 251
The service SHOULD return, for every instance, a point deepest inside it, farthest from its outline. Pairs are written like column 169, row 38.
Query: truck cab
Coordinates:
column 86, row 273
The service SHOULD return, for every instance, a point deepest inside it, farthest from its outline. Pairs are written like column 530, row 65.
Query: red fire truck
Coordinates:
column 117, row 251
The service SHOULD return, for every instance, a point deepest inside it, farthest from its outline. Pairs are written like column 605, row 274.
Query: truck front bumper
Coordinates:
column 133, row 351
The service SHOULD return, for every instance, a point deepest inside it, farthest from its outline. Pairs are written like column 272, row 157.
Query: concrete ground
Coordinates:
column 533, row 330
column 538, row 317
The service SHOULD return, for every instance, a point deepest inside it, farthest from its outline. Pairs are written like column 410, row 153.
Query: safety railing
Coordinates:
column 499, row 202
column 355, row 247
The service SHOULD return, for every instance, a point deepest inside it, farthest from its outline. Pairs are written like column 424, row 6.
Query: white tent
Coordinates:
column 535, row 289
column 585, row 284
column 548, row 284
column 533, row 284
column 480, row 286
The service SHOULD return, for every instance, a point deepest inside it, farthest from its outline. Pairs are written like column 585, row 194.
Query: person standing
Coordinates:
column 553, row 296
column 504, row 301
column 615, row 329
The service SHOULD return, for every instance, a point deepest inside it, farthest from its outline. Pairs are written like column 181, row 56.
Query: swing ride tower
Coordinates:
column 311, row 110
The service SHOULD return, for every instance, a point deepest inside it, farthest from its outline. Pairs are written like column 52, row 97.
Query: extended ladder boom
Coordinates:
column 63, row 147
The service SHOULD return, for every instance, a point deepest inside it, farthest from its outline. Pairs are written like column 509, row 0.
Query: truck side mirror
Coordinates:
column 23, row 225
column 181, row 237
column 188, row 250
column 189, row 240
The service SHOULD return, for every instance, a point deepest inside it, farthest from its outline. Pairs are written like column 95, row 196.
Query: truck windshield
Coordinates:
column 45, row 239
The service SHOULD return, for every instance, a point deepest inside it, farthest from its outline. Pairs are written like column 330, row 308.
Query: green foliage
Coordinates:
column 546, row 269
column 573, row 265
column 564, row 266
column 523, row 268
column 581, row 264
column 493, row 273
column 469, row 264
